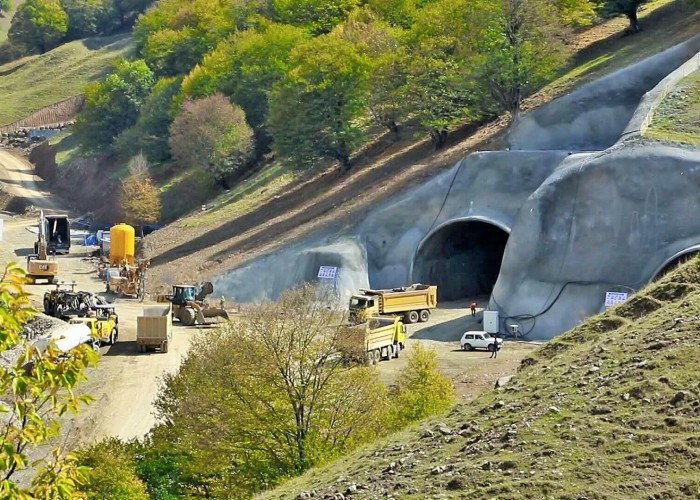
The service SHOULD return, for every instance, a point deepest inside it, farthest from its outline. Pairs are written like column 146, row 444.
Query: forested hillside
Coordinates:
column 220, row 84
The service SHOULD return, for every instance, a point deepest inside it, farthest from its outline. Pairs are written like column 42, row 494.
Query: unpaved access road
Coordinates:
column 125, row 383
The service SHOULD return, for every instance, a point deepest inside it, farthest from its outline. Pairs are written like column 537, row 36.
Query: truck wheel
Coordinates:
column 113, row 336
column 47, row 307
column 164, row 349
column 424, row 316
column 375, row 356
column 411, row 317
column 96, row 345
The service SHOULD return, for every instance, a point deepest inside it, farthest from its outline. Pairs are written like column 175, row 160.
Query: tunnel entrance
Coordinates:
column 463, row 259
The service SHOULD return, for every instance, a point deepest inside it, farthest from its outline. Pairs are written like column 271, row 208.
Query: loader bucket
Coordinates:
column 204, row 315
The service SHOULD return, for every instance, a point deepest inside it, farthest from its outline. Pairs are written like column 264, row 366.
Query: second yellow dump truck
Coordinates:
column 413, row 302
column 379, row 338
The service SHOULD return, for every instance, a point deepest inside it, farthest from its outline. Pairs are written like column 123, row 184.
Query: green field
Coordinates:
column 677, row 119
column 34, row 82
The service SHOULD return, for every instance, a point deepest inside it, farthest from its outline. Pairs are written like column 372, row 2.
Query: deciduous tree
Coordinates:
column 245, row 67
column 85, row 17
column 520, row 48
column 38, row 25
column 113, row 105
column 140, row 198
column 266, row 396
column 317, row 16
column 628, row 8
column 213, row 133
column 317, row 110
column 150, row 133
column 36, row 390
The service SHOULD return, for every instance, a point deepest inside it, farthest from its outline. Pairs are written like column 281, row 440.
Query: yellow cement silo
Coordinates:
column 121, row 244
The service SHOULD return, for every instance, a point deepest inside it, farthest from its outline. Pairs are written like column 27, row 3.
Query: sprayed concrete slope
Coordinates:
column 578, row 205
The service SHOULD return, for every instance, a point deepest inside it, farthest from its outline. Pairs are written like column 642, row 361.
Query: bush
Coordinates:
column 421, row 391
column 112, row 472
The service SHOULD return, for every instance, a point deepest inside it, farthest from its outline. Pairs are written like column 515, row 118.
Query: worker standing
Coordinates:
column 472, row 306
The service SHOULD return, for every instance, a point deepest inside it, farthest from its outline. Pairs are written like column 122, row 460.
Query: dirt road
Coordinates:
column 17, row 177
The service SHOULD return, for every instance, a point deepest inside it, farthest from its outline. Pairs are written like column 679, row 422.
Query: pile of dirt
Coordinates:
column 614, row 415
column 41, row 326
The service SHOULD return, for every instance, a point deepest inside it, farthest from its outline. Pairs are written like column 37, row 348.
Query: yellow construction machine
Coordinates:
column 190, row 306
column 39, row 266
column 128, row 280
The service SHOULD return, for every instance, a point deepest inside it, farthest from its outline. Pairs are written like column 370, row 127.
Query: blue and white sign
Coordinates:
column 614, row 298
column 327, row 272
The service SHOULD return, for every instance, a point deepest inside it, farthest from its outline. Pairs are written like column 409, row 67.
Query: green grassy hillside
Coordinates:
column 677, row 118
column 34, row 82
column 610, row 409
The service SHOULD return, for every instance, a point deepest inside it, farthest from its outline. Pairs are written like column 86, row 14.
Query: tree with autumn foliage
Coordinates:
column 37, row 388
column 140, row 198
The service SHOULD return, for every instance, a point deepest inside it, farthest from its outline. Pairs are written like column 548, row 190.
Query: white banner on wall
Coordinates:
column 614, row 298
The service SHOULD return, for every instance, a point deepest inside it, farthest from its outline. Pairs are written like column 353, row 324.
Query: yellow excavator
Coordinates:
column 39, row 266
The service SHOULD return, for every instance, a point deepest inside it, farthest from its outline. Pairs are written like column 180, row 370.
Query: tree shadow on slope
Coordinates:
column 318, row 195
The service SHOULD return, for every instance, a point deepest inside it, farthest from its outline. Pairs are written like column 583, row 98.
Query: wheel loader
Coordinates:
column 39, row 266
column 190, row 306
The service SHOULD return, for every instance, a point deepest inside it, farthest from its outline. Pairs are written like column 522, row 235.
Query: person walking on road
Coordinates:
column 472, row 306
column 494, row 350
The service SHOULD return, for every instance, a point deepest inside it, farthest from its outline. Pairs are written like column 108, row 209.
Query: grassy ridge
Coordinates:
column 677, row 118
column 607, row 410
column 34, row 82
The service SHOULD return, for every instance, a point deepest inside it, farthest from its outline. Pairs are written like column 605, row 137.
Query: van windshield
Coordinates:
column 487, row 336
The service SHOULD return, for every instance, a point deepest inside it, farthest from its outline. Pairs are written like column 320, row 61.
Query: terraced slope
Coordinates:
column 608, row 410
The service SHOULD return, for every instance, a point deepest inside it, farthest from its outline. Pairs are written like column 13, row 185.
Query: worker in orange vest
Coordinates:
column 472, row 306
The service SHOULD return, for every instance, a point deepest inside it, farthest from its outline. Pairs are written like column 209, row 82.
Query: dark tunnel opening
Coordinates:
column 463, row 259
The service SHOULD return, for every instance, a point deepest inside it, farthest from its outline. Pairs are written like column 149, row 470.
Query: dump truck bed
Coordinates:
column 154, row 327
column 415, row 297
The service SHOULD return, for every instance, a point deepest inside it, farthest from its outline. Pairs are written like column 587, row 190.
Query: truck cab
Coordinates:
column 363, row 307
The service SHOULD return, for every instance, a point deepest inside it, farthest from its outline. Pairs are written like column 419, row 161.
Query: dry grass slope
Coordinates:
column 34, row 82
column 610, row 409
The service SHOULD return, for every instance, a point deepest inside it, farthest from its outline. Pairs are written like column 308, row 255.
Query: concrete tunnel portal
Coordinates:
column 463, row 258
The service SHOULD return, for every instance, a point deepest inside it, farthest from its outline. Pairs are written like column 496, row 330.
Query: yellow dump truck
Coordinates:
column 378, row 338
column 154, row 328
column 413, row 302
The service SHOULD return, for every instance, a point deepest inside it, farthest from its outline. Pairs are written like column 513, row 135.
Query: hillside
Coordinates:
column 34, row 82
column 608, row 410
column 276, row 206
column 677, row 118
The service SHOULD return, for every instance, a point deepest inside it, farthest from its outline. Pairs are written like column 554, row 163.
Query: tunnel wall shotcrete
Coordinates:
column 578, row 211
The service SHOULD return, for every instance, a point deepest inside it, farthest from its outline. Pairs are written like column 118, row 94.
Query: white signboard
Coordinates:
column 327, row 272
column 614, row 298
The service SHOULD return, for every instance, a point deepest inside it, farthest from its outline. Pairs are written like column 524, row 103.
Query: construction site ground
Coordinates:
column 125, row 383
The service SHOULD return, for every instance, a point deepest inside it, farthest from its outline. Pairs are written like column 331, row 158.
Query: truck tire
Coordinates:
column 411, row 317
column 113, row 336
column 424, row 316
column 164, row 347
column 47, row 307
column 376, row 354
